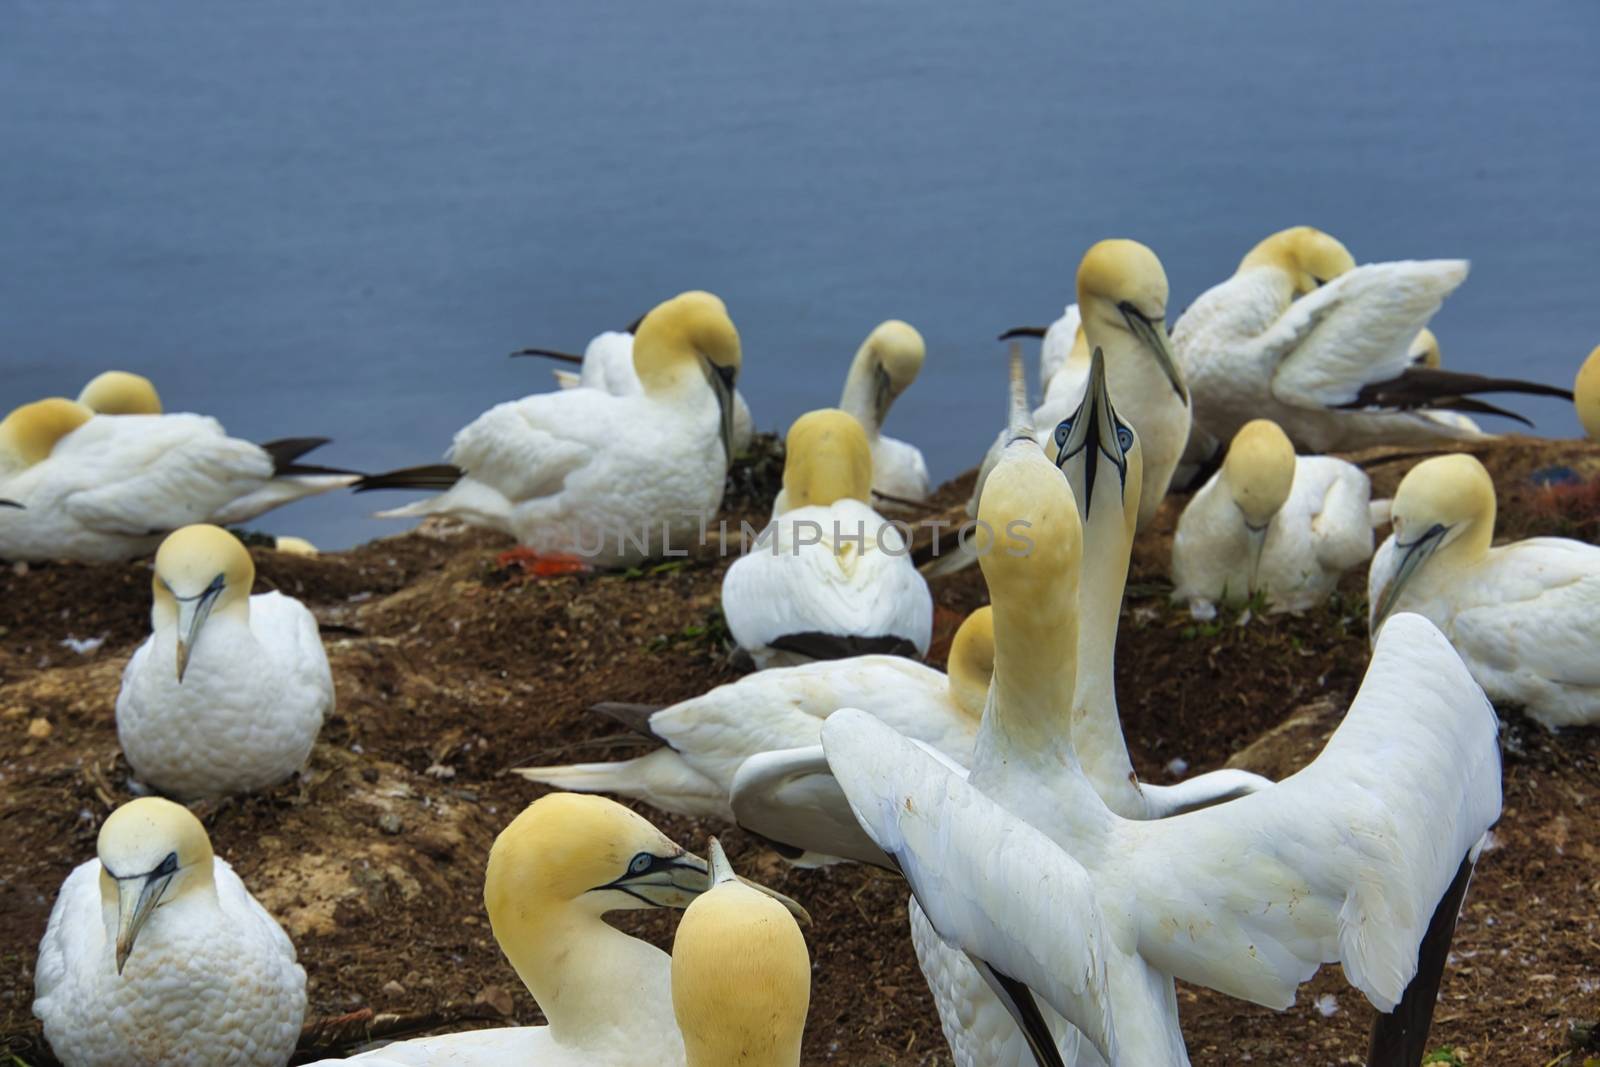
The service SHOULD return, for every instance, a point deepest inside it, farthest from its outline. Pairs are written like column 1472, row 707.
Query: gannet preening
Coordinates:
column 887, row 362
column 713, row 745
column 610, row 479
column 607, row 365
column 1586, row 395
column 1271, row 522
column 119, row 392
column 1024, row 868
column 741, row 976
column 829, row 577
column 1302, row 336
column 553, row 873
column 229, row 692
column 1524, row 616
column 157, row 955
column 101, row 488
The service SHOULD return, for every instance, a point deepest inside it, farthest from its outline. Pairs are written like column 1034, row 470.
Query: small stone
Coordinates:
column 390, row 823
column 39, row 729
column 392, row 988
column 496, row 997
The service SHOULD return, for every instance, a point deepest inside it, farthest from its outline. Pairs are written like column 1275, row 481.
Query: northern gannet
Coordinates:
column 229, row 692
column 119, row 392
column 712, row 744
column 1524, row 616
column 607, row 365
column 829, row 577
column 1586, row 395
column 100, row 488
column 741, row 976
column 1024, row 868
column 612, row 480
column 887, row 362
column 553, row 874
column 157, row 955
column 1271, row 522
column 1302, row 336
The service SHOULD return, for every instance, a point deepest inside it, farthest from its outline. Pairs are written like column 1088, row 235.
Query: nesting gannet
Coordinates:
column 611, row 479
column 887, row 362
column 294, row 546
column 1272, row 522
column 1586, row 395
column 553, row 874
column 1524, row 616
column 99, row 488
column 741, row 976
column 156, row 955
column 229, row 692
column 713, row 744
column 118, row 392
column 829, row 577
column 1024, row 868
column 1302, row 336
column 607, row 365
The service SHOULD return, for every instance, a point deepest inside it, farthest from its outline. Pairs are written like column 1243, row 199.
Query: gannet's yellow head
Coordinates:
column 741, row 976
column 892, row 353
column 1444, row 507
column 1424, row 350
column 971, row 664
column 30, row 432
column 687, row 338
column 1310, row 257
column 117, row 392
column 1259, row 471
column 294, row 546
column 827, row 458
column 1586, row 395
column 1101, row 455
column 200, row 570
column 1122, row 289
column 151, row 851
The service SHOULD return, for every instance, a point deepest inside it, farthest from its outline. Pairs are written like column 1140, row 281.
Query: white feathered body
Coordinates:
column 898, row 470
column 247, row 712
column 839, row 569
column 1323, row 530
column 212, row 981
column 1055, row 351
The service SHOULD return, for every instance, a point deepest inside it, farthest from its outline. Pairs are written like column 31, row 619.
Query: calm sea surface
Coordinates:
column 338, row 217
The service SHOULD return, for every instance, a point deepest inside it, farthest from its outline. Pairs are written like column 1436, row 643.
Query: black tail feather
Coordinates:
column 635, row 717
column 436, row 476
column 1432, row 388
column 286, row 450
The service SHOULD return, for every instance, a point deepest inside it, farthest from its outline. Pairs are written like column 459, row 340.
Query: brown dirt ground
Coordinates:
column 450, row 670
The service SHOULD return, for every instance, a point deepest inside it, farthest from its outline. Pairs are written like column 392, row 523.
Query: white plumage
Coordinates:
column 885, row 365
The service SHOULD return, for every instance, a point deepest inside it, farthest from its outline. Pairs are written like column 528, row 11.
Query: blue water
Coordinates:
column 338, row 217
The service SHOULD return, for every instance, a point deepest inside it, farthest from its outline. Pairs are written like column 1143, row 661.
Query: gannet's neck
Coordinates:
column 860, row 396
column 1132, row 371
column 1096, row 726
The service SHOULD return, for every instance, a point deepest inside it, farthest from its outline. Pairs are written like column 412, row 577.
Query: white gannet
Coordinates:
column 887, row 362
column 607, row 365
column 157, row 955
column 229, row 692
column 612, row 480
column 1302, row 336
column 1026, row 870
column 1524, row 616
column 100, row 488
column 553, row 874
column 1271, row 522
column 1586, row 395
column 741, row 976
column 829, row 577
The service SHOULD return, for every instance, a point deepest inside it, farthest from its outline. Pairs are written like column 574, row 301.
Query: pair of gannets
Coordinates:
column 156, row 955
column 228, row 693
column 612, row 1000
column 1024, row 867
column 829, row 577
column 1524, row 616
column 611, row 479
column 1271, row 522
column 100, row 487
column 1302, row 336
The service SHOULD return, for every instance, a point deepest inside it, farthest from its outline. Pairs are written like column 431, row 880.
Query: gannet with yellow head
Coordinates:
column 157, row 954
column 1302, row 336
column 1586, row 395
column 750, row 751
column 553, row 874
column 741, row 976
column 228, row 693
column 1273, row 523
column 612, row 480
column 1525, row 616
column 885, row 365
column 829, row 577
column 120, row 392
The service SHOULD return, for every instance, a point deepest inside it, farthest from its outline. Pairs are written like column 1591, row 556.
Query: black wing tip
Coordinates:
column 1022, row 331
column 436, row 476
column 285, row 450
column 635, row 717
column 1400, row 1038
column 819, row 645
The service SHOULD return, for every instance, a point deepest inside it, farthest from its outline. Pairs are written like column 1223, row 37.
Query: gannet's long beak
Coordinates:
column 192, row 614
column 1019, row 421
column 1094, row 424
column 721, row 869
column 882, row 394
column 548, row 353
column 11, row 504
column 1258, row 540
column 673, row 881
column 137, row 897
column 1154, row 335
column 723, row 380
column 1416, row 553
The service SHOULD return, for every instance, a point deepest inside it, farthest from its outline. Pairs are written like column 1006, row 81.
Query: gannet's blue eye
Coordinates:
column 640, row 863
column 1124, row 439
column 1063, row 431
